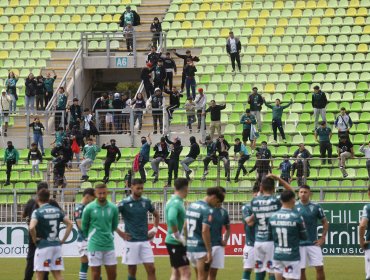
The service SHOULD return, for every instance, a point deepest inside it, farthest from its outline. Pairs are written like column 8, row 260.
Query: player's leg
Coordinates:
column 57, row 274
column 84, row 266
column 111, row 271
column 316, row 259
column 291, row 270
column 110, row 263
column 218, row 261
column 146, row 257
column 42, row 262
column 56, row 264
column 367, row 264
column 150, row 270
column 201, row 269
column 132, row 269
column 303, row 262
column 131, row 257
column 279, row 269
column 259, row 256
column 40, row 275
column 95, row 272
column 248, row 262
column 95, row 263
column 268, row 261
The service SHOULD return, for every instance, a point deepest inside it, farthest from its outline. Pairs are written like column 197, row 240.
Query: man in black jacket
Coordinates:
column 153, row 56
column 160, row 154
column 170, row 66
column 223, row 147
column 156, row 29
column 190, row 82
column 256, row 101
column 145, row 77
column 75, row 114
column 113, row 155
column 185, row 57
column 157, row 103
column 129, row 17
column 215, row 111
column 191, row 157
column 262, row 166
column 159, row 74
column 173, row 161
column 175, row 96
column 233, row 48
column 319, row 103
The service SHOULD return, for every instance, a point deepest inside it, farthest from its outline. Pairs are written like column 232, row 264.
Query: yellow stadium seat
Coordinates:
column 282, row 22
column 50, row 27
column 354, row 3
column 226, row 7
column 351, row 12
column 321, row 4
column 180, row 17
column 366, row 29
column 13, row 37
column 247, row 6
column 250, row 22
column 51, row 45
column 279, row 5
column 254, row 41
column 34, row 3
column 18, row 28
column 360, row 21
column 224, row 32
column 315, row 21
column 205, row 7
column 362, row 12
column 189, row 43
column 77, row 18
column 297, row 13
column 60, row 10
column 311, row 5
column 261, row 49
column 264, row 14
column 54, row 3
column 320, row 40
column 24, row 19
column 300, row 5
column 91, row 10
column 184, row 8
column 329, row 12
column 186, row 25
column 14, row 3
column 215, row 7
column 1, row 11
column 201, row 16
column 280, row 31
column 3, row 54
column 64, row 2
column 258, row 31
column 288, row 68
column 261, row 22
column 243, row 14
column 208, row 24
column 29, row 11
column 269, row 88
column 1, row 28
column 312, row 30
column 362, row 48
column 13, row 19
column 116, row 18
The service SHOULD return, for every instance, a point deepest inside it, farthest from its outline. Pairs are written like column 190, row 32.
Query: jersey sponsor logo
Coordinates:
column 269, row 264
column 58, row 261
column 289, row 269
column 47, row 263
column 311, row 207
column 258, row 264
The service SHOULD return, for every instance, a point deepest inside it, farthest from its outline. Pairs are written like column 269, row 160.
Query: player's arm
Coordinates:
column 302, row 229
column 362, row 228
column 185, row 230
column 226, row 235
column 85, row 221
column 154, row 230
column 122, row 234
column 325, row 229
column 172, row 222
column 281, row 181
column 69, row 226
column 32, row 229
column 206, row 236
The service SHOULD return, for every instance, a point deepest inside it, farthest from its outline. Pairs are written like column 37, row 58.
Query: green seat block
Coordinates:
column 322, row 68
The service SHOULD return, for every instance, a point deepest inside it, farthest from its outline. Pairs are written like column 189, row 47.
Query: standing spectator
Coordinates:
column 77, row 142
column 49, row 86
column 30, row 92
column 5, row 104
column 75, row 114
column 343, row 123
column 61, row 109
column 38, row 129
column 156, row 29
column 262, row 166
column 215, row 111
column 113, row 155
column 255, row 101
column 128, row 31
column 302, row 172
column 285, row 169
column 223, row 147
column 265, row 152
column 345, row 151
column 173, row 161
column 35, row 156
column 109, row 124
column 210, row 155
column 59, row 136
column 156, row 102
column 89, row 153
column 240, row 149
column 302, row 151
column 175, row 96
column 40, row 93
column 11, row 157
column 185, row 57
column 190, row 82
column 87, row 119
column 190, row 113
column 233, row 48
column 319, row 103
column 277, row 113
column 144, row 155
column 145, row 77
column 324, row 134
column 139, row 106
column 248, row 120
column 366, row 151
column 170, row 66
column 153, row 56
column 129, row 17
column 117, row 104
column 101, row 103
column 11, row 88
column 200, row 103
column 160, row 155
column 191, row 156
column 159, row 74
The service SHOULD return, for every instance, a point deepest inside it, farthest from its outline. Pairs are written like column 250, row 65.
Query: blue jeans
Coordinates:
column 30, row 104
column 190, row 83
column 37, row 138
column 13, row 104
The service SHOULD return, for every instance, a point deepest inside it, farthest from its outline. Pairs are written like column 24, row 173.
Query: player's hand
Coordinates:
column 124, row 235
column 319, row 242
column 151, row 234
column 209, row 258
column 272, row 176
column 363, row 243
column 223, row 243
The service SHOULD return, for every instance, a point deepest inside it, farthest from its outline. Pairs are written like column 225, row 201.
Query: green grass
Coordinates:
column 338, row 268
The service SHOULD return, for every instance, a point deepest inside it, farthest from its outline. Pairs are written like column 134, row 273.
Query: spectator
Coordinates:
column 145, row 77
column 277, row 113
column 11, row 157
column 40, row 93
column 366, row 151
column 37, row 131
column 77, row 137
column 61, row 109
column 345, row 151
column 170, row 66
column 113, row 155
column 210, row 156
column 175, row 96
column 159, row 74
column 128, row 31
column 109, row 124
column 5, row 103
column 190, row 82
column 262, row 166
column 144, row 155
column 59, row 169
column 35, row 156
column 139, row 106
column 240, row 149
column 89, row 153
column 11, row 88
column 302, row 172
column 156, row 102
column 302, row 151
column 173, row 161
column 319, row 103
column 153, row 56
column 256, row 101
column 324, row 134
column 285, row 169
column 129, row 17
column 49, row 86
column 64, row 149
column 185, row 57
column 265, row 152
column 191, row 156
column 127, row 179
column 343, row 123
column 59, row 136
column 121, row 119
column 75, row 114
column 248, row 120
column 223, row 147
column 200, row 104
column 87, row 119
column 156, row 29
column 30, row 92
column 233, row 48
column 101, row 103
column 190, row 113
column 161, row 153
column 215, row 111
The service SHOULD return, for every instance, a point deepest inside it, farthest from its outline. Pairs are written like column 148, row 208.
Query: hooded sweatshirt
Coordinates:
column 194, row 148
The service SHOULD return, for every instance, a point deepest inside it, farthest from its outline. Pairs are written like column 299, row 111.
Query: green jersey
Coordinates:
column 287, row 229
column 48, row 225
column 175, row 216
column 324, row 134
column 197, row 214
column 311, row 213
column 249, row 230
column 220, row 219
column 277, row 111
column 263, row 207
column 98, row 224
column 78, row 216
column 90, row 151
column 135, row 215
column 366, row 215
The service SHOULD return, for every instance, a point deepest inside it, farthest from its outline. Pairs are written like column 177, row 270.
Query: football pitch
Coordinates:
column 338, row 268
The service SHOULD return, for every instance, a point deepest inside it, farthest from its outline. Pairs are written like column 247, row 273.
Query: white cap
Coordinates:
column 157, row 89
column 117, row 95
column 4, row 90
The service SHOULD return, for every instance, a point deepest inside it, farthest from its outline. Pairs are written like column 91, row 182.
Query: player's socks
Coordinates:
column 272, row 277
column 131, row 278
column 247, row 275
column 83, row 271
column 260, row 275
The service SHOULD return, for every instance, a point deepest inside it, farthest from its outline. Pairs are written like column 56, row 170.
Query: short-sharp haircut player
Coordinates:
column 365, row 239
column 137, row 249
column 175, row 242
column 310, row 249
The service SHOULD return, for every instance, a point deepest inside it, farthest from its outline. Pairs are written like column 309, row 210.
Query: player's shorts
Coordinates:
column 177, row 255
column 195, row 256
column 367, row 263
column 48, row 259
column 218, row 257
column 82, row 248
column 99, row 258
column 263, row 254
column 289, row 270
column 311, row 255
column 248, row 257
column 246, row 135
column 137, row 253
column 108, row 118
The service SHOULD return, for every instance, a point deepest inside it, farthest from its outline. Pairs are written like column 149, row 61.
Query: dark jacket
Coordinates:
column 216, row 112
column 65, row 151
column 319, row 100
column 194, row 148
column 78, row 135
column 262, row 166
column 136, row 21
column 157, row 101
column 169, row 64
column 304, row 154
column 218, row 147
column 237, row 42
column 34, row 155
column 76, row 112
column 145, row 74
column 177, row 149
column 185, row 58
column 190, row 70
column 153, row 58
column 37, row 128
column 32, row 206
column 156, row 26
column 159, row 73
column 162, row 153
column 174, row 97
column 113, row 153
column 118, row 104
column 31, row 85
column 255, row 101
column 299, row 167
column 40, row 87
column 139, row 103
column 100, row 104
